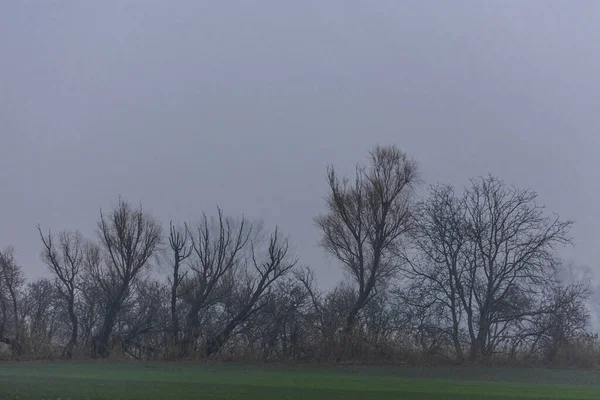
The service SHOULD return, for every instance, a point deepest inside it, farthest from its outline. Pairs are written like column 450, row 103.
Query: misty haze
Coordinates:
column 194, row 192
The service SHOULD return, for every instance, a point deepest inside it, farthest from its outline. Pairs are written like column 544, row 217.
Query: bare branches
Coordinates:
column 179, row 243
column 12, row 281
column 129, row 238
column 269, row 264
column 274, row 265
column 488, row 255
column 366, row 223
column 66, row 260
column 216, row 248
column 182, row 250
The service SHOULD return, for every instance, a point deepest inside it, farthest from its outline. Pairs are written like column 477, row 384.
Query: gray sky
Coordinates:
column 184, row 105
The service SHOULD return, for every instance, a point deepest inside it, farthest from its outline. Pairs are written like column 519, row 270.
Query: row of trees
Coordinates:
column 459, row 276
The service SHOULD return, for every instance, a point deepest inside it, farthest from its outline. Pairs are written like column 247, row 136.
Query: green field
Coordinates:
column 92, row 381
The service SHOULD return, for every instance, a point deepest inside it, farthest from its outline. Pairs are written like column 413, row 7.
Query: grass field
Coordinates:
column 91, row 381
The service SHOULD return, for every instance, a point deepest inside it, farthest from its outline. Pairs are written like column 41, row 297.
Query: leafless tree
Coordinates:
column 11, row 283
column 129, row 237
column 143, row 320
column 181, row 250
column 512, row 256
column 91, row 308
column 438, row 270
column 216, row 249
column 65, row 260
column 277, row 330
column 39, row 311
column 466, row 276
column 265, row 267
column 488, row 256
column 367, row 222
column 565, row 319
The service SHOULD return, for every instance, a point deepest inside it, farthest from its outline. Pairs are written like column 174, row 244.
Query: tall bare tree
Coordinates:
column 487, row 257
column 367, row 222
column 512, row 257
column 129, row 237
column 181, row 250
column 217, row 246
column 65, row 258
column 11, row 285
column 438, row 269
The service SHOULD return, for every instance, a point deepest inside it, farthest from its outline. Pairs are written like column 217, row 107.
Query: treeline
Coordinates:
column 458, row 276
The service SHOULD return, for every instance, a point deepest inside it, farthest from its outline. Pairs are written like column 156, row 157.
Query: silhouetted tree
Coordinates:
column 181, row 250
column 129, row 238
column 11, row 285
column 367, row 221
column 266, row 266
column 65, row 260
column 437, row 271
column 489, row 255
column 216, row 250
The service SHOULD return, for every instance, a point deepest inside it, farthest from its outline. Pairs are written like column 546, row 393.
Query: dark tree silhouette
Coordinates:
column 367, row 221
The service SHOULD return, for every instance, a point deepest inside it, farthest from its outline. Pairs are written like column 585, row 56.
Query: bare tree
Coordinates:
column 65, row 260
column 511, row 257
column 565, row 319
column 181, row 250
column 366, row 222
column 437, row 270
column 217, row 246
column 267, row 268
column 39, row 311
column 11, row 283
column 144, row 319
column 277, row 330
column 488, row 257
column 130, row 237
column 325, row 315
column 91, row 308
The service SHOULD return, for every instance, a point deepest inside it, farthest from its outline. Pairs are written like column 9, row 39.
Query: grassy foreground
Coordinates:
column 91, row 381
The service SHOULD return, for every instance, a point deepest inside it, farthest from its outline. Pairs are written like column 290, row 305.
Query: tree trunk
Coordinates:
column 478, row 347
column 457, row 345
column 174, row 319
column 69, row 349
column 101, row 349
column 215, row 343
column 190, row 334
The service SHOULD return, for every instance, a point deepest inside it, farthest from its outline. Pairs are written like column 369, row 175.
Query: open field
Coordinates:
column 93, row 381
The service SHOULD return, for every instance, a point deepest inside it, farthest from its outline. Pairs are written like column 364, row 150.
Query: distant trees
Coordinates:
column 216, row 250
column 230, row 267
column 368, row 219
column 486, row 257
column 40, row 317
column 11, row 285
column 64, row 256
column 129, row 238
column 565, row 319
column 266, row 265
column 463, row 276
column 181, row 250
column 437, row 268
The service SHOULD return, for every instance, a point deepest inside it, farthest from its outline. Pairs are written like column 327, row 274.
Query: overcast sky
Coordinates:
column 184, row 105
